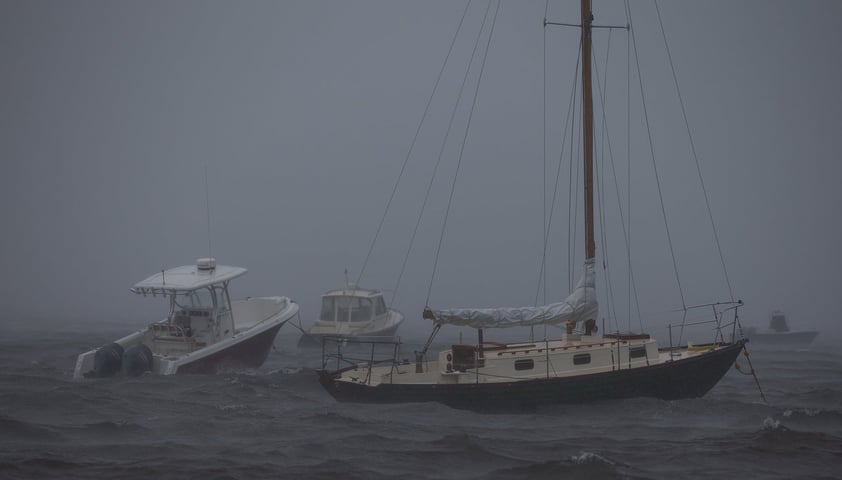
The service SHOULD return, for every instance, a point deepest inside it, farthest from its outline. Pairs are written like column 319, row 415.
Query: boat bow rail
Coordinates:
column 341, row 354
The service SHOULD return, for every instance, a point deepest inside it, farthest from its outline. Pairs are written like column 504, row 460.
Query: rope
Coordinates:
column 655, row 165
column 600, row 186
column 627, row 235
column 412, row 144
column 695, row 156
column 438, row 160
column 461, row 151
column 575, row 206
column 549, row 221
column 632, row 283
column 570, row 181
column 543, row 280
column 299, row 327
column 570, row 105
column 751, row 372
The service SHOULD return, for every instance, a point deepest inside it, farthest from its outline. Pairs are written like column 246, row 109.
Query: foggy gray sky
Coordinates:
column 303, row 112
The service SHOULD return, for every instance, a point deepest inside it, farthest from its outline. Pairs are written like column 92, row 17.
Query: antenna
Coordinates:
column 207, row 209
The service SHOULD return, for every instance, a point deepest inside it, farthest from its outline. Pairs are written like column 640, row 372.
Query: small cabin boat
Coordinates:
column 778, row 334
column 353, row 312
column 204, row 331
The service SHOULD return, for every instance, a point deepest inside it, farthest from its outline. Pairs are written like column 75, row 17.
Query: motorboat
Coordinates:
column 353, row 313
column 778, row 334
column 204, row 331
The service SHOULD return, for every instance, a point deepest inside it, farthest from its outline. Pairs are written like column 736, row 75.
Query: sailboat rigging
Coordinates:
column 585, row 365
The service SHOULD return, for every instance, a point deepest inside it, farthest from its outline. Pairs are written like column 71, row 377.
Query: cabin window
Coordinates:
column 348, row 309
column 637, row 352
column 351, row 309
column 381, row 306
column 524, row 364
column 327, row 309
column 581, row 358
column 361, row 310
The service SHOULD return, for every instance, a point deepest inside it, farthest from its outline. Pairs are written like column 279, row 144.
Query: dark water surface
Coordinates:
column 277, row 422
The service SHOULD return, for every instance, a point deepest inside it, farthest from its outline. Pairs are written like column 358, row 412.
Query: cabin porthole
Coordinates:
column 524, row 364
column 637, row 352
column 581, row 358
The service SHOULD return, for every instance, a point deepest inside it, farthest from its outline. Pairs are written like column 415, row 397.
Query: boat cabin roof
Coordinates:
column 188, row 278
column 352, row 291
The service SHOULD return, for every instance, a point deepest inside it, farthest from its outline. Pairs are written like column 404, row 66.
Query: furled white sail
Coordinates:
column 580, row 305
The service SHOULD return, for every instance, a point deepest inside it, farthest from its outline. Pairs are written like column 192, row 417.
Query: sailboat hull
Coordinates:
column 685, row 378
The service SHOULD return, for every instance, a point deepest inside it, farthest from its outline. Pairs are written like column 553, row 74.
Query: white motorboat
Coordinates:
column 779, row 335
column 204, row 332
column 353, row 312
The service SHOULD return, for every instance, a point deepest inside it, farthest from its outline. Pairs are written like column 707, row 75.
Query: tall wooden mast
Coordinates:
column 587, row 119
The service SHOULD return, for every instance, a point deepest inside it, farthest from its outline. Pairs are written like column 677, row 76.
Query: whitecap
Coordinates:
column 770, row 423
column 589, row 457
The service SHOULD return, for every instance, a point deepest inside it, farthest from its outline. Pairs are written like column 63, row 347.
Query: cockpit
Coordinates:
column 341, row 308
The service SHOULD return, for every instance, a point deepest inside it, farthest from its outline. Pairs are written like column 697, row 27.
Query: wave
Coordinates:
column 18, row 431
column 775, row 433
column 333, row 469
column 335, row 419
column 469, row 445
column 817, row 394
column 106, row 428
column 818, row 419
column 585, row 465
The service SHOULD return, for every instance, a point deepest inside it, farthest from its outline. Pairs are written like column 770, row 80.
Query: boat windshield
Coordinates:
column 194, row 299
column 346, row 309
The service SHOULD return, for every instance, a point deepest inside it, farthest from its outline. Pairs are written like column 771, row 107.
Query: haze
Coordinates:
column 301, row 113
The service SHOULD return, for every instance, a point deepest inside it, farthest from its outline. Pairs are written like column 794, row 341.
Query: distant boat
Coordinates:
column 204, row 331
column 353, row 313
column 585, row 365
column 778, row 334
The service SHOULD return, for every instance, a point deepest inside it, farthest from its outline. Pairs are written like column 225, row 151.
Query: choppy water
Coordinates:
column 277, row 422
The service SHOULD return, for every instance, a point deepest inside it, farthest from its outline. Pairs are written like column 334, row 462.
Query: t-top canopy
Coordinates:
column 188, row 278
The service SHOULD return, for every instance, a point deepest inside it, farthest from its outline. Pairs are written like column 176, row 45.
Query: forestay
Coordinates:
column 580, row 305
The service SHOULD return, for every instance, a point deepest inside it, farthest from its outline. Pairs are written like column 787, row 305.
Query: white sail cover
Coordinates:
column 578, row 306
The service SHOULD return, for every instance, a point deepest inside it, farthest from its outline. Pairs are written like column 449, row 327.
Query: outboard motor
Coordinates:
column 137, row 360
column 108, row 360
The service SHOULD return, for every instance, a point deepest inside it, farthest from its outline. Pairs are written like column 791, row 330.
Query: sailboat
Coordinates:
column 585, row 365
